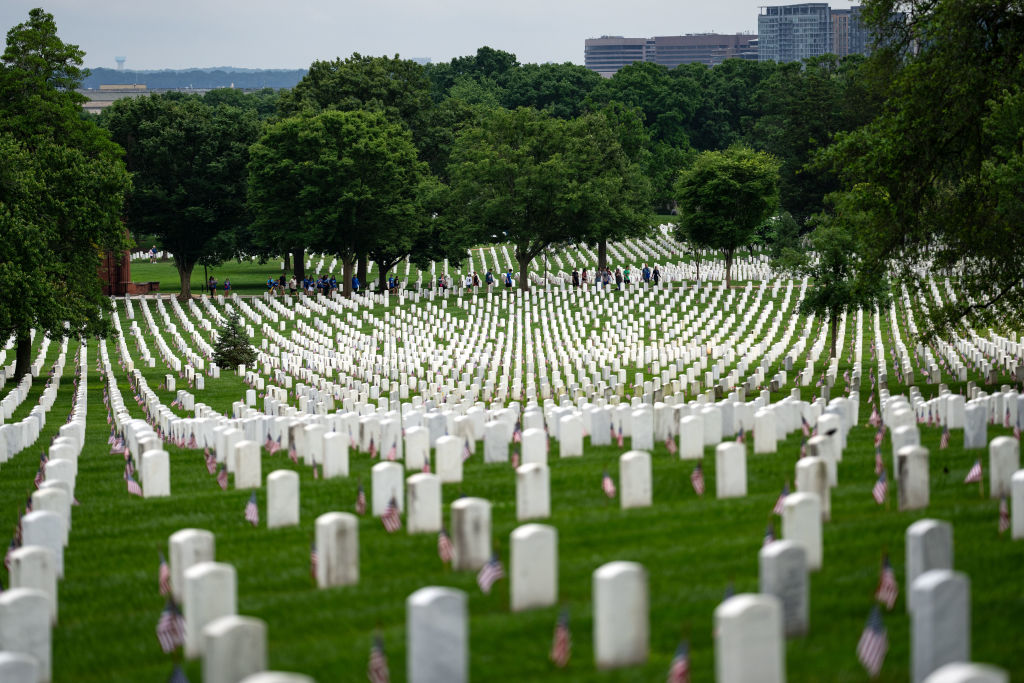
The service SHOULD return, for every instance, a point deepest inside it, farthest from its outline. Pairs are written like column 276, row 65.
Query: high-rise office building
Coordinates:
column 608, row 54
column 790, row 33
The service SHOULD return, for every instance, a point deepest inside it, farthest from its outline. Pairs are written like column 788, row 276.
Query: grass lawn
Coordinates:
column 692, row 548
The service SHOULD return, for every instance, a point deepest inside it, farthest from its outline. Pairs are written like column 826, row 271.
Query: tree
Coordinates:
column 233, row 348
column 842, row 280
column 938, row 173
column 342, row 182
column 188, row 163
column 528, row 178
column 62, row 187
column 723, row 197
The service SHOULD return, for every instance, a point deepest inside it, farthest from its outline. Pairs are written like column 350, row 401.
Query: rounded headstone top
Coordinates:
column 613, row 570
column 470, row 502
column 277, row 677
column 431, row 594
column 968, row 672
column 741, row 604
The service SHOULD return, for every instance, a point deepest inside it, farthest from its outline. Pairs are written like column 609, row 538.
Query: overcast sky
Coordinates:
column 175, row 34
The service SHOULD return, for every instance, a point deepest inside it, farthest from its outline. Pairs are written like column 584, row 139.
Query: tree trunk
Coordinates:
column 697, row 254
column 23, row 354
column 833, row 328
column 382, row 276
column 346, row 277
column 602, row 255
column 728, row 268
column 287, row 262
column 524, row 271
column 299, row 256
column 185, row 274
column 361, row 271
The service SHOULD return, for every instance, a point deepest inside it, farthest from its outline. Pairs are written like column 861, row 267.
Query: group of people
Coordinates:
column 472, row 283
column 309, row 285
column 212, row 285
column 605, row 277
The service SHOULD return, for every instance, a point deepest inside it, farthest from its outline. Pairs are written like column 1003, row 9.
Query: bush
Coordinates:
column 233, row 347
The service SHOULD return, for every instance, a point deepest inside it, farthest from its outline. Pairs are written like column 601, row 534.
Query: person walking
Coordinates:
column 625, row 275
column 508, row 279
column 618, row 279
column 646, row 274
column 227, row 286
column 489, row 279
column 292, row 285
column 212, row 285
column 656, row 276
column 583, row 278
column 575, row 278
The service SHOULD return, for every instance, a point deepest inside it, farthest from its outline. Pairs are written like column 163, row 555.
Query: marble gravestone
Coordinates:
column 437, row 636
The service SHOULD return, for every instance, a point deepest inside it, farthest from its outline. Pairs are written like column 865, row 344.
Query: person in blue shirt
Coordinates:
column 647, row 274
column 227, row 285
column 355, row 283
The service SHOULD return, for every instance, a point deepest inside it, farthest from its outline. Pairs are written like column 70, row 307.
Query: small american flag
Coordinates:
column 944, row 439
column 40, row 477
column 805, row 426
column 769, row 534
column 697, row 480
column 489, row 573
column 211, row 461
column 393, row 451
column 619, row 436
column 361, row 501
column 373, row 448
column 269, row 443
column 467, row 450
column 293, row 454
column 133, row 487
column 974, row 475
column 670, row 444
column 803, row 447
column 274, row 446
column 314, row 561
column 561, row 644
column 874, row 643
column 444, row 546
column 252, row 510
column 875, row 420
column 879, row 462
column 1016, row 431
column 222, row 477
column 377, row 668
column 391, row 519
column 517, row 432
column 1004, row 516
column 781, row 501
column 515, row 460
column 679, row 671
column 164, row 576
column 1006, row 418
column 170, row 628
column 316, row 472
column 879, row 436
column 888, row 590
column 880, row 489
column 607, row 485
column 192, row 443
column 741, row 438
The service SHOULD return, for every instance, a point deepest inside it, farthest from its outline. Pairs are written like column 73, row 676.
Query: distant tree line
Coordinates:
column 202, row 79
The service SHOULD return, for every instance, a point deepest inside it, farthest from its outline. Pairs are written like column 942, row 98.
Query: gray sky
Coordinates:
column 292, row 33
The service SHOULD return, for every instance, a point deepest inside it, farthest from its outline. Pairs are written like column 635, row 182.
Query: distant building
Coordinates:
column 608, row 54
column 790, row 33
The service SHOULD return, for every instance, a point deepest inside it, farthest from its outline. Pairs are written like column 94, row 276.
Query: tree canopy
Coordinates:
column 62, row 186
column 723, row 198
column 188, row 163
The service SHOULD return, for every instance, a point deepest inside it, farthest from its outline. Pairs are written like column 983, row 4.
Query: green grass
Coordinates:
column 691, row 547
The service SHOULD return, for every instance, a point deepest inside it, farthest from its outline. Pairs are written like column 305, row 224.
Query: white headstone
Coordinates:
column 18, row 667
column 335, row 447
column 156, row 474
column 471, row 533
column 1017, row 505
column 533, row 561
column 248, row 465
column 749, row 643
column 417, row 448
column 448, row 459
column 801, row 522
column 912, row 464
column 940, row 625
column 337, row 548
column 210, row 593
column 387, row 480
column 535, row 446
column 964, row 672
column 437, row 636
column 642, row 438
column 783, row 573
column 234, row 647
column 811, row 477
column 691, row 437
column 533, row 492
column 282, row 498
column 635, row 489
column 929, row 545
column 765, row 439
column 25, row 627
column 570, row 436
column 185, row 548
column 46, row 529
column 730, row 470
column 33, row 566
column 423, row 511
column 1003, row 461
column 621, row 615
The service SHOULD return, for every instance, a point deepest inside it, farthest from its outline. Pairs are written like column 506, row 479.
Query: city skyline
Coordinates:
column 262, row 34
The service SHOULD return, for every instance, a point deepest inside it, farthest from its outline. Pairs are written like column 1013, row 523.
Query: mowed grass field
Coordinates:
column 693, row 549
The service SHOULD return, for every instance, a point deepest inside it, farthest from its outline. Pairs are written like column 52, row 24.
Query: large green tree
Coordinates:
column 723, row 198
column 843, row 281
column 188, row 163
column 533, row 180
column 341, row 182
column 938, row 173
column 62, row 186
